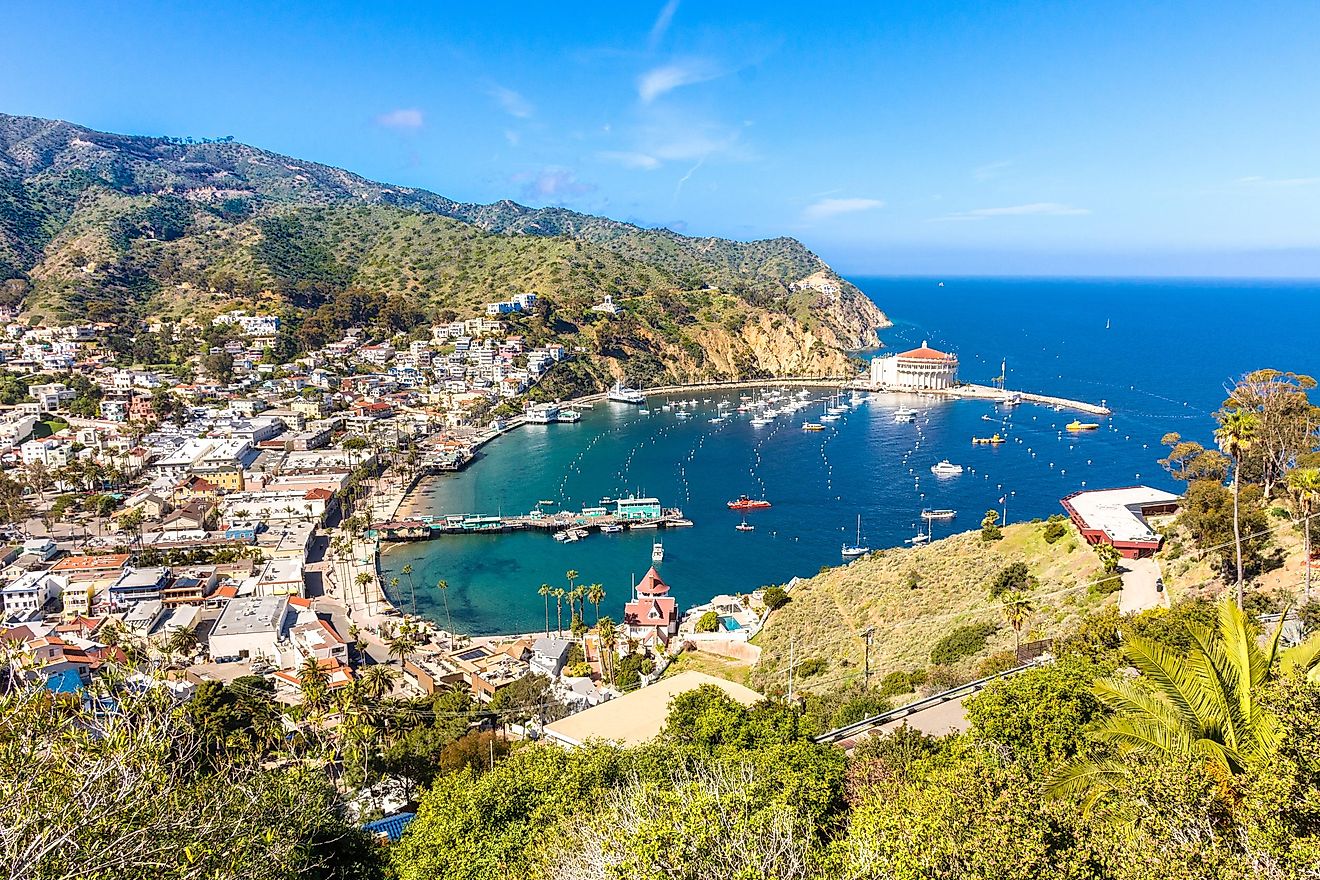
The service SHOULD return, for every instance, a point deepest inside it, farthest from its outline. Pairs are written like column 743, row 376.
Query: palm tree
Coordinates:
column 398, row 644
column 577, row 594
column 314, row 682
column 1205, row 704
column 608, row 641
column 377, row 680
column 412, row 589
column 544, row 592
column 363, row 579
column 183, row 641
column 1017, row 610
column 596, row 595
column 572, row 575
column 443, row 586
column 558, row 593
column 1235, row 436
column 1305, row 484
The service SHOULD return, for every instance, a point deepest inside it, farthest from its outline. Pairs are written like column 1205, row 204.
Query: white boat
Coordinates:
column 943, row 513
column 643, row 525
column 565, row 537
column 611, row 529
column 644, row 411
column 657, row 552
column 745, row 526
column 946, row 468
column 905, row 416
column 856, row 549
column 761, row 421
column 570, row 415
column 716, row 420
column 918, row 538
column 683, row 414
column 829, row 418
column 621, row 393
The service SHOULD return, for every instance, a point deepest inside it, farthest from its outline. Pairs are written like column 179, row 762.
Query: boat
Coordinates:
column 993, row 440
column 939, row 513
column 856, row 549
column 1011, row 400
column 986, row 418
column 657, row 552
column 745, row 526
column 644, row 525
column 606, row 501
column 683, row 414
column 946, row 468
column 570, row 415
column 1076, row 425
column 761, row 421
column 917, row 539
column 611, row 529
column 621, row 393
column 567, row 536
column 715, row 421
column 544, row 502
column 678, row 523
column 829, row 418
column 812, row 426
column 905, row 416
column 644, row 411
column 745, row 503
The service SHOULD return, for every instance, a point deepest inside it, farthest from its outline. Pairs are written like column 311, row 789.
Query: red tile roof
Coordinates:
column 925, row 353
column 652, row 585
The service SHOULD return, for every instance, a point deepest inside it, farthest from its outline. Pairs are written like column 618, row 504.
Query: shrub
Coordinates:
column 899, row 682
column 990, row 526
column 963, row 641
column 1054, row 530
column 708, row 622
column 811, row 666
column 775, row 597
column 1000, row 661
column 578, row 670
column 943, row 678
column 1010, row 578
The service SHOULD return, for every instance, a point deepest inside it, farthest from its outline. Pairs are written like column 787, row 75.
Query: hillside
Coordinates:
column 828, row 611
column 116, row 227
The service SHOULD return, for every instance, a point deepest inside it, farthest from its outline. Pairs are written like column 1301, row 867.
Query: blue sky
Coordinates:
column 914, row 137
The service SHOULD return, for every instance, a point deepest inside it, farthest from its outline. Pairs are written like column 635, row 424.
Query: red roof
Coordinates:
column 652, row 585
column 648, row 611
column 925, row 352
column 318, row 494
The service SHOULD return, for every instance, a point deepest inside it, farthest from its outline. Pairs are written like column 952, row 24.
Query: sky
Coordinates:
column 932, row 138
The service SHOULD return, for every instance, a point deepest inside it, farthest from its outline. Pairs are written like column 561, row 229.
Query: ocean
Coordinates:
column 1159, row 353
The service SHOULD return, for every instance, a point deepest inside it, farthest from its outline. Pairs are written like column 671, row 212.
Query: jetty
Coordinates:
column 993, row 394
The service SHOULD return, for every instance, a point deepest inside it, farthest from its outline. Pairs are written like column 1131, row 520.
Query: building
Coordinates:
column 607, row 305
column 549, row 656
column 637, row 717
column 30, row 593
column 137, row 585
column 251, row 627
column 318, row 639
column 1118, row 517
column 652, row 616
column 282, row 576
column 103, row 563
column 921, row 369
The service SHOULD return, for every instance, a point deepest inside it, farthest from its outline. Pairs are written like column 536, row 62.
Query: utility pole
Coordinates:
column 791, row 640
column 866, row 657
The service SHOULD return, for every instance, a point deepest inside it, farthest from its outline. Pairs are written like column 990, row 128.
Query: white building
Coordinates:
column 607, row 306
column 251, row 627
column 920, row 369
column 30, row 593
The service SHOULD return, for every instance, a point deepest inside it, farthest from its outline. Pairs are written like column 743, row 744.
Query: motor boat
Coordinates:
column 946, row 468
column 745, row 503
column 657, row 552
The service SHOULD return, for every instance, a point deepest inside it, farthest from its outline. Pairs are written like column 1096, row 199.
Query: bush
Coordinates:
column 578, row 670
column 811, row 666
column 1011, row 578
column 1054, row 530
column 1000, row 661
column 1105, row 586
column 775, row 597
column 943, row 678
column 990, row 526
column 899, row 682
column 963, row 641
column 708, row 622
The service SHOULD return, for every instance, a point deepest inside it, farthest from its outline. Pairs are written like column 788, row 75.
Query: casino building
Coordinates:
column 920, row 369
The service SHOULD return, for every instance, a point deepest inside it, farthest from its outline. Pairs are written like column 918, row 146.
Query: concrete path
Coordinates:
column 1139, row 580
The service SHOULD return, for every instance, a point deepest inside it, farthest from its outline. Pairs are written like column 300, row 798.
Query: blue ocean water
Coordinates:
column 1159, row 353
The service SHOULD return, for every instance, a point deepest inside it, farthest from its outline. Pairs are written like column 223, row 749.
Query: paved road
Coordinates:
column 1139, row 593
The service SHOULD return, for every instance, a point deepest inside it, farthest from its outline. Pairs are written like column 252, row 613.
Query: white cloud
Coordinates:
column 991, row 170
column 664, row 79
column 1034, row 209
column 1279, row 182
column 827, row 208
column 512, row 102
column 553, row 185
column 662, row 22
column 630, row 159
column 403, row 118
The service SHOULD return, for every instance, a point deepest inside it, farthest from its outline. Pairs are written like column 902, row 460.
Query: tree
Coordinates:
column 407, row 571
column 1017, row 609
column 1236, row 434
column 544, row 592
column 1205, row 704
column 1284, row 425
column 1304, row 483
column 1011, row 578
column 596, row 595
column 990, row 530
column 378, row 680
column 314, row 683
column 708, row 622
column 775, row 597
column 558, row 593
column 443, row 586
column 1188, row 460
column 399, row 644
column 608, row 642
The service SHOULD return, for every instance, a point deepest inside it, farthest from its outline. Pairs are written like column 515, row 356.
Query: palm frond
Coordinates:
column 1301, row 657
column 1222, row 686
column 1167, row 673
column 1143, row 735
column 1230, row 760
column 1095, row 778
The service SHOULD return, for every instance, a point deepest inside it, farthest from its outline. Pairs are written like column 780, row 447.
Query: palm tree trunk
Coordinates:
column 1306, row 542
column 1237, row 533
column 547, row 617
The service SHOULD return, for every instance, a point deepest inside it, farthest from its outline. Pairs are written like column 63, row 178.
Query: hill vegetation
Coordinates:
column 115, row 228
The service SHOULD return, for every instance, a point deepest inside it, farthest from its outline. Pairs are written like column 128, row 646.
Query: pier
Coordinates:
column 424, row 528
column 992, row 394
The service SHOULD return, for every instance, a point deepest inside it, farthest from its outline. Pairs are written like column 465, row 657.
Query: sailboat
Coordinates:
column 856, row 549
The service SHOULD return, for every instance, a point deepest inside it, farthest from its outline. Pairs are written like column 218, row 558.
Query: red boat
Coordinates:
column 745, row 503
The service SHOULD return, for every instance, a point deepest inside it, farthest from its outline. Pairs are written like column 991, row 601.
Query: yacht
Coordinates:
column 657, row 552
column 566, row 537
column 570, row 415
column 905, row 416
column 856, row 549
column 946, row 468
column 621, row 393
column 742, row 502
column 611, row 529
column 683, row 414
column 918, row 539
column 812, row 426
column 745, row 526
column 761, row 421
column 941, row 513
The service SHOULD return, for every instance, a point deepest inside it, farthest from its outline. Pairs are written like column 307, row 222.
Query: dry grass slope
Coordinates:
column 830, row 610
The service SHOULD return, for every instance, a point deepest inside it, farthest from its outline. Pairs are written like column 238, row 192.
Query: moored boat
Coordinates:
column 742, row 502
column 621, row 393
column 1077, row 425
column 939, row 513
column 657, row 552
column 946, row 468
column 812, row 426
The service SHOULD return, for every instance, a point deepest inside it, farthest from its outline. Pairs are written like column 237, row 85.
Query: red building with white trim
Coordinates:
column 652, row 616
column 1118, row 517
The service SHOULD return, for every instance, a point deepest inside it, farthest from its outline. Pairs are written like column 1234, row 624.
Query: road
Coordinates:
column 1139, row 593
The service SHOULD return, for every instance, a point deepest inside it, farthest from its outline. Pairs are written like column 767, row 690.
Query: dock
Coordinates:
column 424, row 528
column 992, row 394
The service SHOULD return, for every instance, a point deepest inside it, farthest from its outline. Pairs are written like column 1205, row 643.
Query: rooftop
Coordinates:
column 1118, row 512
column 637, row 717
column 259, row 614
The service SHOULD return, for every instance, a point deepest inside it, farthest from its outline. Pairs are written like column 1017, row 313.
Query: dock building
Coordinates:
column 921, row 369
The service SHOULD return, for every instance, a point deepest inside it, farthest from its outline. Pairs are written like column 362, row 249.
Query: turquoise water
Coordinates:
column 1162, row 365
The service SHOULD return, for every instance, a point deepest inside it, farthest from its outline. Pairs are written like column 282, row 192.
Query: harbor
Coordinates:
column 630, row 514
